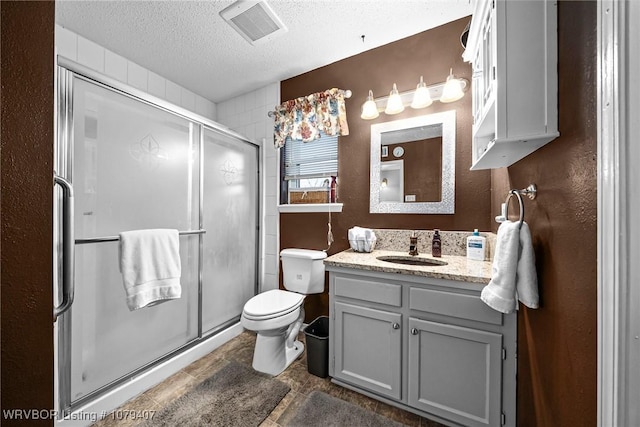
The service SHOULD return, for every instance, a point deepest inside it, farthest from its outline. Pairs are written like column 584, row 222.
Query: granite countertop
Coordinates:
column 457, row 268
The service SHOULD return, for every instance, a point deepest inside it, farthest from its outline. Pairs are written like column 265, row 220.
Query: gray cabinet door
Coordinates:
column 368, row 348
column 455, row 372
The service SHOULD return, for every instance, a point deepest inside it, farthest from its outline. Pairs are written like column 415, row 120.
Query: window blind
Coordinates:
column 314, row 159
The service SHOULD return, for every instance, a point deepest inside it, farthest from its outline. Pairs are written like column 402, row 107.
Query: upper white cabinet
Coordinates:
column 512, row 47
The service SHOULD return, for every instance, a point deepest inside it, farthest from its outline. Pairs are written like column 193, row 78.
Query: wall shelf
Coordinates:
column 310, row 207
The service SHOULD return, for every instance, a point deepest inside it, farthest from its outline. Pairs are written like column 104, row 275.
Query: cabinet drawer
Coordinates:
column 451, row 304
column 365, row 290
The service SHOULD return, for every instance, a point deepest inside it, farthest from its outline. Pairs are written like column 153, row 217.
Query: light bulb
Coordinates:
column 394, row 103
column 422, row 96
column 369, row 108
column 452, row 90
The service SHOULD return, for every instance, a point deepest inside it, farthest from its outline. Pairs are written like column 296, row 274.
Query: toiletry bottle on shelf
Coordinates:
column 436, row 244
column 333, row 198
column 476, row 245
column 327, row 183
column 413, row 244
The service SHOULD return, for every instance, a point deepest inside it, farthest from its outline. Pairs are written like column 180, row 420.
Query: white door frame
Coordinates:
column 618, row 207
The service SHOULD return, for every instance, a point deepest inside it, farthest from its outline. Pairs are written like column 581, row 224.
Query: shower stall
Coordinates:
column 124, row 161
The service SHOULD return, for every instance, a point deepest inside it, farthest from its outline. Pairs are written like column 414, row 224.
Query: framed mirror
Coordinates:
column 413, row 164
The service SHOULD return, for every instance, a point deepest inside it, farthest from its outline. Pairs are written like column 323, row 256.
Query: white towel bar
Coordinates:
column 116, row 238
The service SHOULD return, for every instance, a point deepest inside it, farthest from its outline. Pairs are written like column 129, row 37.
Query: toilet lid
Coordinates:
column 303, row 253
column 272, row 304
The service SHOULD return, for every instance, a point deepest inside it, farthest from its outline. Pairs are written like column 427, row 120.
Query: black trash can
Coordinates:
column 317, row 337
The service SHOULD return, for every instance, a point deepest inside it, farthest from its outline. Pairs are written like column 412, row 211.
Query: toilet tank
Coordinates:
column 303, row 270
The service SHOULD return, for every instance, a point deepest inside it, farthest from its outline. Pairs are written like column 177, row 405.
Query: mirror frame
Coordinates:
column 447, row 204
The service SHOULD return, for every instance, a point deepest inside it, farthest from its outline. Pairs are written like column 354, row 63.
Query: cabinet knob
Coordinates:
column 414, row 331
column 396, row 326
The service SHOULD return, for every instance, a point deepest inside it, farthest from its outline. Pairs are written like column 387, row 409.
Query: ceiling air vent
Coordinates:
column 254, row 20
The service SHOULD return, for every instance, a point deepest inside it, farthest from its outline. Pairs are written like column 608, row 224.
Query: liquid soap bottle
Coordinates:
column 436, row 244
column 476, row 245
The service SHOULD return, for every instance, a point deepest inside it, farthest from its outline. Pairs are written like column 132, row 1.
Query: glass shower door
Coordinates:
column 135, row 166
column 230, row 216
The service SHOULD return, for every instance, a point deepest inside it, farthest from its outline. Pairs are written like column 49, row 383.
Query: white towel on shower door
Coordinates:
column 150, row 266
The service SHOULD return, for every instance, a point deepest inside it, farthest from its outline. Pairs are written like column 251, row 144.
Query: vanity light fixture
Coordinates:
column 452, row 90
column 394, row 102
column 369, row 108
column 421, row 97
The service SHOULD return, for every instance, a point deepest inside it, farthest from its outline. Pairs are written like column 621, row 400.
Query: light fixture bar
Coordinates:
column 435, row 91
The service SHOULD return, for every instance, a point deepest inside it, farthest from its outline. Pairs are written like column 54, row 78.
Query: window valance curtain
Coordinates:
column 305, row 117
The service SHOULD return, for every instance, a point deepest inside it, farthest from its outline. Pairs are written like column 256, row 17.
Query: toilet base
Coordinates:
column 272, row 355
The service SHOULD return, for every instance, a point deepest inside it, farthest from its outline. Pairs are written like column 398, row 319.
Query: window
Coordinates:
column 307, row 168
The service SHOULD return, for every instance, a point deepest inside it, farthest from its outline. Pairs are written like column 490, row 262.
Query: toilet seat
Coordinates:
column 270, row 304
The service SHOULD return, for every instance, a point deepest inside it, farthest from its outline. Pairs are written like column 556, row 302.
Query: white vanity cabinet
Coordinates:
column 371, row 357
column 429, row 346
column 512, row 47
column 370, row 330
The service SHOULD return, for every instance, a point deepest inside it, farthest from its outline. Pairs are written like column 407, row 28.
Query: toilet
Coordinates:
column 277, row 315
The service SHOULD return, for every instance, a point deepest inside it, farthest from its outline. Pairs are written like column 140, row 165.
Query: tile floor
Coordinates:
column 240, row 349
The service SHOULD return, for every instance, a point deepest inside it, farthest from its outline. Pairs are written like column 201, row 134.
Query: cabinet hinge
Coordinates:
column 504, row 354
column 503, row 419
column 493, row 73
column 493, row 4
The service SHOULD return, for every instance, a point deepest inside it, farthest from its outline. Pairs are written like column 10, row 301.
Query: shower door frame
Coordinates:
column 67, row 70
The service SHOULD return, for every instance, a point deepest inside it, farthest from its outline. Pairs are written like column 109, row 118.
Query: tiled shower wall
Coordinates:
column 247, row 115
column 96, row 57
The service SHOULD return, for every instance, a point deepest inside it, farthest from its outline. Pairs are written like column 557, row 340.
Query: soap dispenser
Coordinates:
column 476, row 245
column 436, row 244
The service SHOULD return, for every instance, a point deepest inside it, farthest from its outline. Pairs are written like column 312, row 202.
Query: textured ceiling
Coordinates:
column 189, row 43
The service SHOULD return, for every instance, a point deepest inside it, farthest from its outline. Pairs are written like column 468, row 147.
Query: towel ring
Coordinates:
column 530, row 191
column 506, row 210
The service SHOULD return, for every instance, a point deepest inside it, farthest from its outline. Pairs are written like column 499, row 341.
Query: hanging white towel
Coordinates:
column 514, row 271
column 527, row 276
column 500, row 293
column 150, row 266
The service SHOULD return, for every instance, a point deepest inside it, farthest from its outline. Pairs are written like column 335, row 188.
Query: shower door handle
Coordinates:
column 68, row 247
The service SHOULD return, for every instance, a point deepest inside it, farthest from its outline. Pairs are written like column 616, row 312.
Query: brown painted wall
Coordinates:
column 429, row 54
column 27, row 200
column 557, row 363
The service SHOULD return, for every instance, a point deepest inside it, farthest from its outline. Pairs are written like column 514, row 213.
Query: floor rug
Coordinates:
column 321, row 410
column 236, row 395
